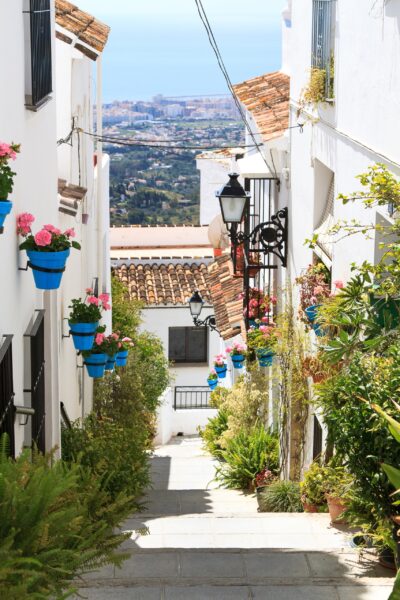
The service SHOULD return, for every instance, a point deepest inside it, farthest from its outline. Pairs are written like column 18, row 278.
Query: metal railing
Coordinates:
column 193, row 396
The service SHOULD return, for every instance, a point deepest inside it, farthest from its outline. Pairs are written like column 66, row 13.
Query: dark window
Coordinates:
column 188, row 344
column 38, row 48
column 7, row 392
column 323, row 41
column 37, row 381
column 317, row 443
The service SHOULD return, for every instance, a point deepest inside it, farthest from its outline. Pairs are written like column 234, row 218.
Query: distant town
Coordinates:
column 154, row 179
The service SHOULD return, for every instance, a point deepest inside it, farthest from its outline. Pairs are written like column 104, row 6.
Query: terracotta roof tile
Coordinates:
column 157, row 284
column 225, row 290
column 84, row 26
column 267, row 98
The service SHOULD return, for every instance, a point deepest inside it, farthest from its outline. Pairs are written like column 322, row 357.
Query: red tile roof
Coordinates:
column 267, row 98
column 225, row 290
column 84, row 26
column 167, row 283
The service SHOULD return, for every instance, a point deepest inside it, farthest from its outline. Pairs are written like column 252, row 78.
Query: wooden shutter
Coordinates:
column 196, row 344
column 177, row 344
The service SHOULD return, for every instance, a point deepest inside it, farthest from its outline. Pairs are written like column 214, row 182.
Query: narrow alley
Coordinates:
column 206, row 543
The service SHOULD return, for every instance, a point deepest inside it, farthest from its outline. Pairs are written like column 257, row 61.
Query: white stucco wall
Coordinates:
column 213, row 175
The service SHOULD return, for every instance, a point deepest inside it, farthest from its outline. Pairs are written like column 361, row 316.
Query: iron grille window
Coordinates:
column 38, row 48
column 188, row 344
column 37, row 381
column 322, row 41
column 191, row 397
column 7, row 392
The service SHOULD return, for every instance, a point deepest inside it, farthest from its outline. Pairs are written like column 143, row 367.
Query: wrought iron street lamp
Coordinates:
column 196, row 305
column 266, row 238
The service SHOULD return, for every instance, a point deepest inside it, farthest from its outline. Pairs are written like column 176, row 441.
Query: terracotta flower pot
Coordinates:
column 336, row 508
column 309, row 508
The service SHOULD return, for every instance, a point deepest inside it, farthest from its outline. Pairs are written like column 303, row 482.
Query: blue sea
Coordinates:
column 174, row 58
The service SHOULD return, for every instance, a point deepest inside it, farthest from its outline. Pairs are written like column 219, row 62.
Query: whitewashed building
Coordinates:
column 162, row 266
column 46, row 87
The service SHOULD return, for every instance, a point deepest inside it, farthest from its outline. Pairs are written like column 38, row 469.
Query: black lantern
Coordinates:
column 195, row 305
column 233, row 200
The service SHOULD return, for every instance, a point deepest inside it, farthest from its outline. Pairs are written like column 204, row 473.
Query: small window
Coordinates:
column 38, row 64
column 317, row 439
column 322, row 53
column 188, row 344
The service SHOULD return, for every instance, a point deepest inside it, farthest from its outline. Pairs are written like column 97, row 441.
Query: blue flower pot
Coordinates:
column 47, row 268
column 238, row 360
column 312, row 312
column 212, row 383
column 318, row 329
column 95, row 365
column 83, row 334
column 122, row 358
column 110, row 364
column 265, row 357
column 221, row 371
column 252, row 323
column 5, row 209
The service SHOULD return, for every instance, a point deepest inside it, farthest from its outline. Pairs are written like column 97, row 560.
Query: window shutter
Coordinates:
column 177, row 344
column 197, row 344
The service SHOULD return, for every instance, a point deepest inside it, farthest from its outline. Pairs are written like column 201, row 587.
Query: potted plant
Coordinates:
column 124, row 345
column 314, row 367
column 47, row 251
column 84, row 318
column 314, row 288
column 263, row 342
column 254, row 262
column 312, row 488
column 7, row 152
column 212, row 379
column 95, row 359
column 220, row 366
column 260, row 307
column 261, row 481
column 111, row 346
column 237, row 353
column 337, row 485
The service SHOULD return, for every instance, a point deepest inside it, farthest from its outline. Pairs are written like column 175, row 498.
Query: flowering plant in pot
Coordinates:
column 84, row 318
column 237, row 353
column 212, row 379
column 47, row 251
column 261, row 481
column 263, row 342
column 102, row 355
column 124, row 345
column 7, row 152
column 337, row 485
column 260, row 307
column 313, row 488
column 314, row 288
column 220, row 365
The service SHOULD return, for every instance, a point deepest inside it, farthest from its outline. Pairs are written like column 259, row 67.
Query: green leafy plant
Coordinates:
column 212, row 432
column 281, row 496
column 313, row 486
column 265, row 337
column 247, row 454
column 314, row 93
column 7, row 152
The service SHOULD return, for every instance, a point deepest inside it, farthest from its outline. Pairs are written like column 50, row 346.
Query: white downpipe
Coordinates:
column 99, row 153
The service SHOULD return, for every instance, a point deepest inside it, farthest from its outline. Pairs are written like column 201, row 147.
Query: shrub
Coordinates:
column 212, row 433
column 55, row 522
column 313, row 486
column 281, row 496
column 245, row 455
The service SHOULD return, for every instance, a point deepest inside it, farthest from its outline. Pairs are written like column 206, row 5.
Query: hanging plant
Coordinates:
column 7, row 152
column 84, row 318
column 238, row 354
column 124, row 345
column 212, row 379
column 220, row 366
column 47, row 251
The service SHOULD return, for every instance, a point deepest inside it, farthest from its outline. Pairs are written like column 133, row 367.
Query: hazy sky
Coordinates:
column 160, row 46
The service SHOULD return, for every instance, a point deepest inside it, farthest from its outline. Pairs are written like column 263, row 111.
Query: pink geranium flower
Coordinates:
column 126, row 339
column 70, row 232
column 52, row 229
column 43, row 238
column 93, row 300
column 338, row 284
column 89, row 291
column 99, row 338
column 106, row 306
column 24, row 221
column 104, row 298
column 6, row 151
column 115, row 336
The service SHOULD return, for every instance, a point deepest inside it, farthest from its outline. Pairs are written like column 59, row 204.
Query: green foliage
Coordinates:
column 245, row 455
column 56, row 521
column 356, row 430
column 212, row 432
column 6, row 181
column 313, row 486
column 314, row 93
column 84, row 312
column 281, row 496
column 125, row 312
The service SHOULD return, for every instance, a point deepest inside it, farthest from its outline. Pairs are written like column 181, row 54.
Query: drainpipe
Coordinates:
column 99, row 154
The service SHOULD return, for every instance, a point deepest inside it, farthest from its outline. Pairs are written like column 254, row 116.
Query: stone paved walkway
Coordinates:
column 206, row 543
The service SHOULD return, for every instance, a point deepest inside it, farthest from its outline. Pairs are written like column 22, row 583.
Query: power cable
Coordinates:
column 221, row 64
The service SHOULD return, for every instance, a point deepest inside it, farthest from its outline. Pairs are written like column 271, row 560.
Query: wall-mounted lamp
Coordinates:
column 196, row 305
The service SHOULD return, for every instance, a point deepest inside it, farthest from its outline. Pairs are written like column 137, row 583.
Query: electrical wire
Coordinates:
column 221, row 64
